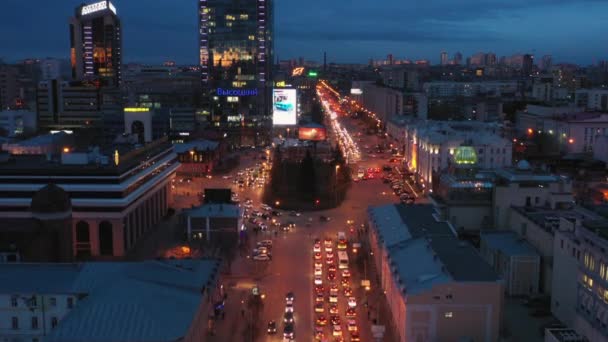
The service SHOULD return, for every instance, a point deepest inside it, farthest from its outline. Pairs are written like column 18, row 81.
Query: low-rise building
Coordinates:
column 198, row 157
column 592, row 99
column 575, row 130
column 153, row 301
column 15, row 122
column 108, row 198
column 438, row 287
column 431, row 146
column 214, row 221
column 514, row 259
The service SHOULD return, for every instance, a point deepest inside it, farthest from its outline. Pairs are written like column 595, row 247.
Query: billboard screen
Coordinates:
column 284, row 106
column 312, row 133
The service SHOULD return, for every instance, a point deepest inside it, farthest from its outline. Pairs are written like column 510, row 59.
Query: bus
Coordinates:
column 342, row 260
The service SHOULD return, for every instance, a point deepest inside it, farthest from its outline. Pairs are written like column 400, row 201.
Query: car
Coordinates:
column 262, row 257
column 352, row 325
column 260, row 250
column 272, row 327
column 354, row 336
column 294, row 213
column 331, row 276
column 333, row 289
column 288, row 317
column 319, row 289
column 253, row 221
column 289, row 307
column 319, row 271
column 319, row 297
column 331, row 268
column 276, row 213
column 319, row 334
column 323, row 218
column 329, row 261
column 265, row 207
column 329, row 249
column 288, row 331
column 345, row 273
column 334, row 319
column 352, row 302
column 265, row 243
column 351, row 312
column 318, row 280
column 333, row 298
column 336, row 331
column 319, row 307
column 348, row 292
column 316, row 248
column 289, row 297
column 329, row 254
column 321, row 320
column 318, row 256
column 344, row 282
column 266, row 216
column 318, row 264
column 263, row 227
column 333, row 309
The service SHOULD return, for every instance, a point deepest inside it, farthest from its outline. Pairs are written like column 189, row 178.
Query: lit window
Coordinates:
column 244, row 16
column 448, row 314
column 232, row 99
column 602, row 270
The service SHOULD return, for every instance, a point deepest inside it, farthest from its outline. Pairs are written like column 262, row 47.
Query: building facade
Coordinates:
column 96, row 43
column 116, row 195
column 235, row 55
column 438, row 288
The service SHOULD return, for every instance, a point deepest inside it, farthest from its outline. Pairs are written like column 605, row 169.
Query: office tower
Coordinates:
column 235, row 55
column 389, row 59
column 478, row 59
column 528, row 64
column 444, row 58
column 96, row 41
column 457, row 58
column 490, row 59
column 546, row 62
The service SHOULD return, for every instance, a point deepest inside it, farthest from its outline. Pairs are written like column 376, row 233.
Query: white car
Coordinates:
column 289, row 307
column 265, row 207
column 318, row 271
column 329, row 249
column 318, row 280
column 333, row 298
column 352, row 302
column 337, row 331
column 265, row 243
column 317, row 248
column 352, row 325
column 261, row 257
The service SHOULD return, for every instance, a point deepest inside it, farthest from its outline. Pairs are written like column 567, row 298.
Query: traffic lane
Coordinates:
column 291, row 270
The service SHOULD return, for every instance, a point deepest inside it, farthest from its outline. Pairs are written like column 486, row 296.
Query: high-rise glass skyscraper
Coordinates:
column 235, row 53
column 96, row 42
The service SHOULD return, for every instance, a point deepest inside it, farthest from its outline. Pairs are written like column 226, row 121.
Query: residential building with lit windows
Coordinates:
column 576, row 130
column 236, row 55
column 437, row 286
column 148, row 301
column 82, row 203
column 580, row 295
column 96, row 43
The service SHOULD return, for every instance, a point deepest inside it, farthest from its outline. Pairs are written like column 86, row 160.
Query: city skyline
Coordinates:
column 502, row 28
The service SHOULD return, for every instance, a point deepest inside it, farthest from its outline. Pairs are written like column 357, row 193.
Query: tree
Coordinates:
column 316, row 112
column 307, row 177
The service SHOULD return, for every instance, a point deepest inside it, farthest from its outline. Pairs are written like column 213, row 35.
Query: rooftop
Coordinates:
column 565, row 335
column 199, row 145
column 425, row 251
column 548, row 218
column 508, row 243
column 214, row 210
column 126, row 301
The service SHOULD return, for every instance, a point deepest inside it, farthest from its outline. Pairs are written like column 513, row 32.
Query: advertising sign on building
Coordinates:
column 284, row 106
column 312, row 133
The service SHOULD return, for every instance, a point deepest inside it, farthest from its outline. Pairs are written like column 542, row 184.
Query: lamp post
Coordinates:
column 336, row 185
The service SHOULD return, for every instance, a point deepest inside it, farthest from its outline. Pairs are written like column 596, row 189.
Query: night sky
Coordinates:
column 349, row 30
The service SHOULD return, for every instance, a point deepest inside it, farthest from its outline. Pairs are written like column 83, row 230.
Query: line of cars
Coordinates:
column 252, row 177
column 330, row 288
column 289, row 322
column 399, row 188
column 262, row 251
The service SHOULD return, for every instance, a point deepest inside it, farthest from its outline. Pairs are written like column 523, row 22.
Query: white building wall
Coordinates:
column 564, row 282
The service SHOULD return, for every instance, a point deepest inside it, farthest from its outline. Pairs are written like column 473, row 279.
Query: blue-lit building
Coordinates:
column 235, row 54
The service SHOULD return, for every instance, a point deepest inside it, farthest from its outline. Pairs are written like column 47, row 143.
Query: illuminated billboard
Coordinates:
column 284, row 106
column 98, row 6
column 312, row 133
column 356, row 91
